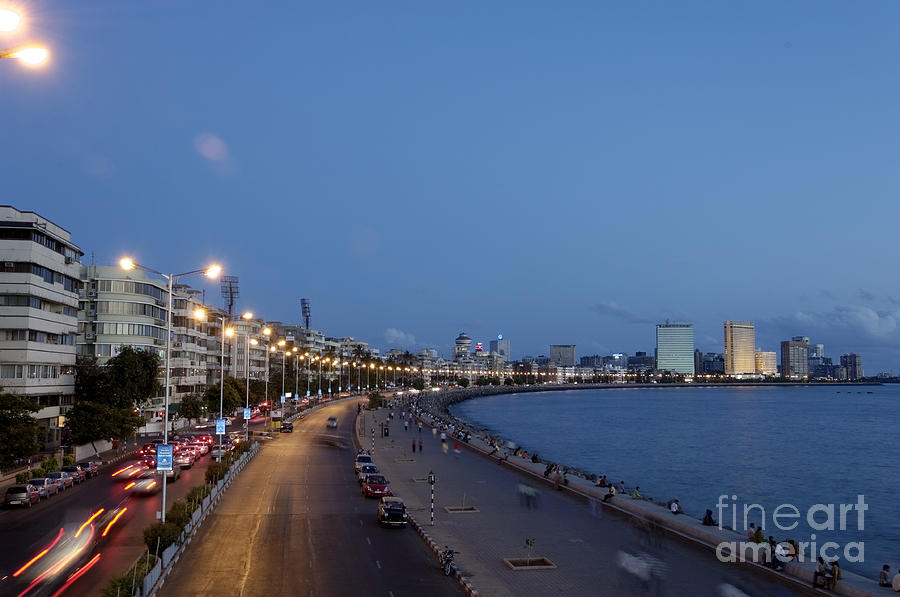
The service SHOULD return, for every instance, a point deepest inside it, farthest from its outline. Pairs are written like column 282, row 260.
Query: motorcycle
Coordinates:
column 447, row 560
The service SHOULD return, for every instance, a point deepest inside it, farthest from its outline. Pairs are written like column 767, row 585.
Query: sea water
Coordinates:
column 791, row 446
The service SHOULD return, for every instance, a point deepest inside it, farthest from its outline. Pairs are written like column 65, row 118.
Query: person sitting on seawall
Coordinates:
column 835, row 575
column 636, row 493
column 708, row 520
column 895, row 583
column 758, row 535
column 884, row 577
column 621, row 487
column 610, row 492
column 675, row 507
column 823, row 572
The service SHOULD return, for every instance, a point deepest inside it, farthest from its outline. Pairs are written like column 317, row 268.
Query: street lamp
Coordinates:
column 31, row 54
column 212, row 272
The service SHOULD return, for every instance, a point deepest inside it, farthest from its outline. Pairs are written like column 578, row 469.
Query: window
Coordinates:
column 11, row 371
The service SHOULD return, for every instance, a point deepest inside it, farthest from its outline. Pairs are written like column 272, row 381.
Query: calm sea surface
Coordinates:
column 766, row 445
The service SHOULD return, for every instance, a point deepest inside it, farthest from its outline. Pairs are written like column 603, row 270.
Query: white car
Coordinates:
column 362, row 459
column 331, row 423
column 201, row 448
column 367, row 469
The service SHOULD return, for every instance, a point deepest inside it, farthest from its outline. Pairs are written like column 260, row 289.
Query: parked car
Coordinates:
column 46, row 486
column 22, row 495
column 90, row 469
column 76, row 473
column 64, row 480
column 331, row 423
column 287, row 428
column 366, row 469
column 392, row 512
column 376, row 486
column 362, row 459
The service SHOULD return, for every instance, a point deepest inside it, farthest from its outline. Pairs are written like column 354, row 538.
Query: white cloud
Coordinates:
column 215, row 151
column 399, row 339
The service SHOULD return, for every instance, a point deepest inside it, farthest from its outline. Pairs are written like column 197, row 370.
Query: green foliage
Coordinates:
column 18, row 429
column 509, row 381
column 463, row 382
column 50, row 465
column 68, row 460
column 376, row 400
column 131, row 378
column 120, row 586
column 231, row 398
column 166, row 533
column 198, row 494
column 482, row 381
column 418, row 383
column 23, row 477
column 37, row 473
column 191, row 407
column 179, row 514
column 216, row 471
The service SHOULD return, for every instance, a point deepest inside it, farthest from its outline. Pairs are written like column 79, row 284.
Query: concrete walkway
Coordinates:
column 596, row 548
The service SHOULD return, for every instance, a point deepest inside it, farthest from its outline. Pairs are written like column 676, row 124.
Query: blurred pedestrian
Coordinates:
column 414, row 445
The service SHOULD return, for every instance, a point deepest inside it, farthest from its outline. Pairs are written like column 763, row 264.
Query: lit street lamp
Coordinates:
column 212, row 272
column 31, row 54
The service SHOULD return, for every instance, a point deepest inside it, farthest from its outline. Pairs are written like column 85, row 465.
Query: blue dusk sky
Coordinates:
column 566, row 173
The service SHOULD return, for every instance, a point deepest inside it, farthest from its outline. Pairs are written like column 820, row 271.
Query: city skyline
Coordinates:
column 625, row 171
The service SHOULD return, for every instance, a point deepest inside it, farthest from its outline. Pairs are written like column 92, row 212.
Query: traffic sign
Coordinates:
column 220, row 426
column 164, row 457
column 246, row 413
column 282, row 398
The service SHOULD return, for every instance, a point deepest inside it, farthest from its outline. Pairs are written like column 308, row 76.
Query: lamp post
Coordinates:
column 308, row 358
column 320, row 359
column 254, row 342
column 212, row 272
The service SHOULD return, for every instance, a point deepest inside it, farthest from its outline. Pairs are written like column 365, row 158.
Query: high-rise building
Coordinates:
column 795, row 358
column 853, row 364
column 766, row 363
column 818, row 351
column 562, row 355
column 675, row 348
column 740, row 348
column 501, row 347
column 39, row 314
column 461, row 348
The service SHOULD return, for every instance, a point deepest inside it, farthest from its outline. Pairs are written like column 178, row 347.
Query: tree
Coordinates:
column 18, row 429
column 89, row 379
column 191, row 407
column 463, row 382
column 131, row 378
column 230, row 397
column 419, row 383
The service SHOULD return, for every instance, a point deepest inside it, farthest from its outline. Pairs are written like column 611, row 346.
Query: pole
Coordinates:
column 247, row 403
column 297, row 378
column 308, row 368
column 267, row 379
column 221, row 384
column 168, row 390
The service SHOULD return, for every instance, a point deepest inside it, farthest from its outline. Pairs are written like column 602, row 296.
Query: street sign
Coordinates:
column 282, row 398
column 164, row 457
column 246, row 413
column 220, row 426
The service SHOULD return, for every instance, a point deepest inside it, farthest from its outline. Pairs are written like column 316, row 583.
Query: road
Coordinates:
column 25, row 533
column 294, row 523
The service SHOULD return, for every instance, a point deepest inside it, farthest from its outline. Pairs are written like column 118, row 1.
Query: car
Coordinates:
column 392, row 512
column 46, row 487
column 147, row 483
column 376, row 486
column 202, row 448
column 173, row 474
column 367, row 469
column 148, row 450
column 22, row 495
column 218, row 451
column 76, row 473
column 90, row 469
column 331, row 423
column 287, row 428
column 147, row 462
column 207, row 439
column 62, row 479
column 185, row 459
column 362, row 459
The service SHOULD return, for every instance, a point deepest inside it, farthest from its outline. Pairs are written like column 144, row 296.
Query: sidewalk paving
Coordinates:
column 584, row 538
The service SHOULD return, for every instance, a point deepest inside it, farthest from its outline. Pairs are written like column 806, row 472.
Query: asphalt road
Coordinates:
column 294, row 523
column 24, row 533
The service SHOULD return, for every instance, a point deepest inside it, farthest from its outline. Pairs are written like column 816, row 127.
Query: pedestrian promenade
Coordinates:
column 593, row 548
